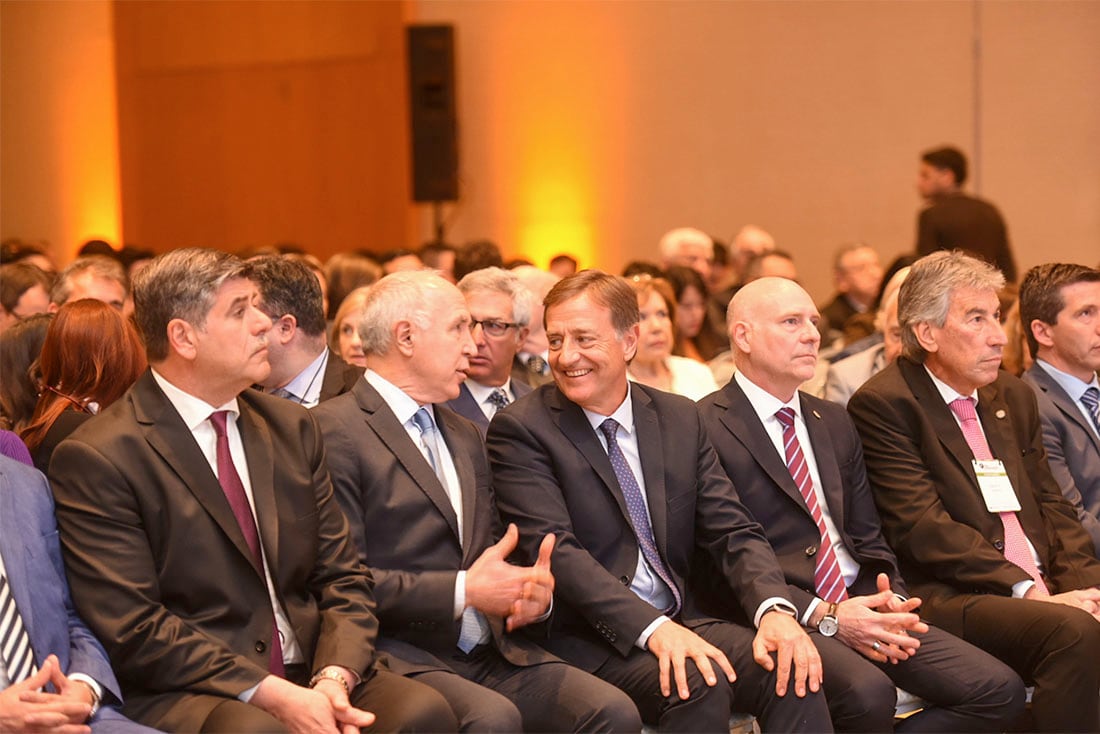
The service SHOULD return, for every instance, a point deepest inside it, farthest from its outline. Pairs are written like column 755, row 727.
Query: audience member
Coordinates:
column 723, row 270
column 696, row 336
column 344, row 338
column 13, row 447
column 747, row 243
column 202, row 540
column 857, row 276
column 983, row 535
column 318, row 269
column 93, row 276
column 303, row 368
column 531, row 360
column 19, row 349
column 1016, row 359
column 24, row 292
column 477, row 255
column 45, row 641
column 1060, row 315
column 655, row 364
column 394, row 261
column 440, row 257
column 415, row 487
column 15, row 250
column 500, row 312
column 643, row 267
column 346, row 271
column 770, row 264
column 91, row 356
column 687, row 247
column 953, row 219
column 798, row 464
column 845, row 376
column 625, row 479
column 563, row 265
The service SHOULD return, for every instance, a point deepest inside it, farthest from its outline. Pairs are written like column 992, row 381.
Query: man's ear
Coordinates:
column 521, row 335
column 403, row 337
column 630, row 342
column 285, row 328
column 182, row 338
column 740, row 336
column 926, row 336
column 1042, row 333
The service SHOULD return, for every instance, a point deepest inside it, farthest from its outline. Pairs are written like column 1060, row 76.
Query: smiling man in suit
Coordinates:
column 798, row 465
column 624, row 477
column 202, row 540
column 955, row 458
column 303, row 368
column 414, row 482
column 500, row 311
column 1060, row 311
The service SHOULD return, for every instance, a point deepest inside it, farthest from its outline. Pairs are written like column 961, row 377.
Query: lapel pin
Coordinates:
column 1000, row 414
column 817, row 415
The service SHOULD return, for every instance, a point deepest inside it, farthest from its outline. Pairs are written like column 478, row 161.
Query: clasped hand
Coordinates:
column 519, row 594
column 877, row 626
column 25, row 708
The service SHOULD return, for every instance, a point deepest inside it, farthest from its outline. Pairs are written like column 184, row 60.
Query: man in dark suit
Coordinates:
column 500, row 312
column 1060, row 311
column 954, row 219
column 799, row 469
column 414, row 483
column 983, row 535
column 201, row 536
column 303, row 368
column 625, row 479
column 54, row 638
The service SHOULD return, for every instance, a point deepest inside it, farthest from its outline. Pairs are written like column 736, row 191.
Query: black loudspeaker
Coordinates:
column 432, row 112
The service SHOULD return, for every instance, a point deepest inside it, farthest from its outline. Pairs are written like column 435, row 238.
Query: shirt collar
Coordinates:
column 948, row 393
column 481, row 392
column 399, row 402
column 623, row 415
column 193, row 410
column 309, row 379
column 763, row 402
column 1071, row 384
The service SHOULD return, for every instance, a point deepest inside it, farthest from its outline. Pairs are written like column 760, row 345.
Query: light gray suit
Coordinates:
column 1073, row 450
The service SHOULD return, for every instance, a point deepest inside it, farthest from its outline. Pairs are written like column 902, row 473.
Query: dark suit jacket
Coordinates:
column 403, row 522
column 552, row 475
column 768, row 491
column 1073, row 449
column 466, row 406
column 948, row 544
column 340, row 377
column 161, row 571
column 966, row 223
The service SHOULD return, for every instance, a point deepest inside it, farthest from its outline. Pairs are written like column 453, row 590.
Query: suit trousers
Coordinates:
column 708, row 709
column 967, row 689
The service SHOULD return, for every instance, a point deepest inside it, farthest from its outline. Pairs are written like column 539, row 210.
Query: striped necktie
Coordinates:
column 15, row 645
column 1091, row 400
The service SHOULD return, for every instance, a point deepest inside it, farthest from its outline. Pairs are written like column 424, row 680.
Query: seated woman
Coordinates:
column 19, row 349
column 654, row 364
column 91, row 356
column 344, row 339
column 697, row 336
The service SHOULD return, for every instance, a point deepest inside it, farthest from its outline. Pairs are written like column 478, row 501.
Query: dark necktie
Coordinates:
column 1091, row 401
column 1016, row 548
column 828, row 580
column 233, row 488
column 536, row 365
column 15, row 645
column 498, row 399
column 635, row 505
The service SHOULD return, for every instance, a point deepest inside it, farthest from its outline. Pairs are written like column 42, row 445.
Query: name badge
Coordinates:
column 996, row 488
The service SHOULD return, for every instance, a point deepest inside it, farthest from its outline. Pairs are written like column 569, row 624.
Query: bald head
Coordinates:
column 773, row 334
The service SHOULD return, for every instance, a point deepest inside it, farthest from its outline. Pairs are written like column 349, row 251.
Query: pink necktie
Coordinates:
column 828, row 580
column 1016, row 548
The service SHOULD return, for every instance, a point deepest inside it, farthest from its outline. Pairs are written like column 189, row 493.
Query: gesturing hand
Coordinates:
column 537, row 591
column 673, row 644
column 494, row 586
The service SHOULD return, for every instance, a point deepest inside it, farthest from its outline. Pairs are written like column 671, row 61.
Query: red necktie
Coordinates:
column 233, row 488
column 1016, row 548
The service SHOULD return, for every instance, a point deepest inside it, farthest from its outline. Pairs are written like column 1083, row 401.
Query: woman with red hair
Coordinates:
column 91, row 356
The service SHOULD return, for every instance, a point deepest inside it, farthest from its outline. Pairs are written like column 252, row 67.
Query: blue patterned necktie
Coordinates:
column 635, row 505
column 1091, row 400
column 498, row 399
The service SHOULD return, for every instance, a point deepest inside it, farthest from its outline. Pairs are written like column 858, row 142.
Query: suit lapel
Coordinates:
column 467, row 478
column 651, row 453
column 939, row 415
column 1063, row 402
column 16, row 557
column 381, row 420
column 827, row 469
column 165, row 431
column 994, row 415
column 260, row 456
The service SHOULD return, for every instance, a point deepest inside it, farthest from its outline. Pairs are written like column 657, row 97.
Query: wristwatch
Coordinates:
column 829, row 625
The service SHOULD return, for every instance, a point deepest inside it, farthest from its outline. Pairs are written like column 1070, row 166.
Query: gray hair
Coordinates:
column 669, row 245
column 498, row 280
column 100, row 266
column 399, row 296
column 925, row 296
column 181, row 284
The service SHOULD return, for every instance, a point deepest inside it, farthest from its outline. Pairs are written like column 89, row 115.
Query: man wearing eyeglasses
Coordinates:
column 500, row 309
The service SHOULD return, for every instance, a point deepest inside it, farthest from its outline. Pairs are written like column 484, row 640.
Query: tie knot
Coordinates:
column 963, row 408
column 1091, row 399
column 785, row 416
column 423, row 420
column 536, row 364
column 609, row 428
column 217, row 419
column 498, row 398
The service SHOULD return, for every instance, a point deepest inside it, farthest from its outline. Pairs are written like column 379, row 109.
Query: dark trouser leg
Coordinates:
column 861, row 697
column 403, row 705
column 237, row 717
column 477, row 708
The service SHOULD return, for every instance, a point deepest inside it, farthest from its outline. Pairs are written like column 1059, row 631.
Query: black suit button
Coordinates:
column 999, row 545
column 625, row 580
column 260, row 646
column 811, row 551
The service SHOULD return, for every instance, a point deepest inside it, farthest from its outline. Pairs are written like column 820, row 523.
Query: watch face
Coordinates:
column 827, row 626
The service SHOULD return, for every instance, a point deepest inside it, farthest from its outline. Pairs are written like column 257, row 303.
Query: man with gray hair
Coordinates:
column 955, row 458
column 413, row 480
column 689, row 247
column 500, row 313
column 92, row 276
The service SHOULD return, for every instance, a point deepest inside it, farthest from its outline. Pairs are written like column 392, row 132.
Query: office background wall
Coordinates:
column 584, row 126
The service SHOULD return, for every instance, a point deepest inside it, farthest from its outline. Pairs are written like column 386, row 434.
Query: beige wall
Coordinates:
column 59, row 179
column 596, row 126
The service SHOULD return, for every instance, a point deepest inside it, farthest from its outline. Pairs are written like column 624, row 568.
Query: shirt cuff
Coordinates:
column 643, row 639
column 810, row 612
column 96, row 689
column 772, row 602
column 460, row 594
column 246, row 695
column 1021, row 587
